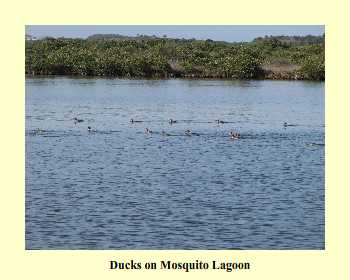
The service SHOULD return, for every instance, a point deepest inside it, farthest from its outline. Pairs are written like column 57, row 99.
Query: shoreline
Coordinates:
column 30, row 76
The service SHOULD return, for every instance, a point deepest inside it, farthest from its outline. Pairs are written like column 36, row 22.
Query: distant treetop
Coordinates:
column 293, row 40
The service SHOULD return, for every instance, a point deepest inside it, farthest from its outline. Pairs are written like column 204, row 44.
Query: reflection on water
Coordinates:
column 119, row 188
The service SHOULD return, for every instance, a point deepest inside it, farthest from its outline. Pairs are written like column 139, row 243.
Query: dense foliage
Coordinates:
column 149, row 56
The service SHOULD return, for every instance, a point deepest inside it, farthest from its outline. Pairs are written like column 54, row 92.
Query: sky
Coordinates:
column 229, row 33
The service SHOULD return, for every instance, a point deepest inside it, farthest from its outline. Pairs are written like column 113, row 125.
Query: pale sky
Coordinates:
column 229, row 33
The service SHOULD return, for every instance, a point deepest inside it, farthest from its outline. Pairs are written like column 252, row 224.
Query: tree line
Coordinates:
column 154, row 57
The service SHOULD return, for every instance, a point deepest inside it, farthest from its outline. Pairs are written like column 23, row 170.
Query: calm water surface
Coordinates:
column 118, row 188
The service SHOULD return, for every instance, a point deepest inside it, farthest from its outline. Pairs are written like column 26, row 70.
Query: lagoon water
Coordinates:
column 118, row 188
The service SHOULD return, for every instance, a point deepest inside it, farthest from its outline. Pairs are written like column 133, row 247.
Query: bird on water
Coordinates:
column 76, row 120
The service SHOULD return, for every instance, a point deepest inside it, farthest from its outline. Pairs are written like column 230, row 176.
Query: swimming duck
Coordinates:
column 188, row 132
column 148, row 131
column 76, row 120
column 219, row 121
column 38, row 130
column 133, row 121
column 285, row 124
column 91, row 130
column 171, row 121
column 234, row 135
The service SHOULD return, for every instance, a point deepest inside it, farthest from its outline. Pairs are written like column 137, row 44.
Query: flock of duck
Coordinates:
column 188, row 132
column 232, row 134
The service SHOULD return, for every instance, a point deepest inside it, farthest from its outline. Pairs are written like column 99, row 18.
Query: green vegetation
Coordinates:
column 151, row 57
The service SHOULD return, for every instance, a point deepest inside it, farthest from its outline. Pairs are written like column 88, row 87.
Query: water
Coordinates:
column 118, row 188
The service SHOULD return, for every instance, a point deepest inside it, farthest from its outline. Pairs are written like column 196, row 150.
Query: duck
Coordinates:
column 234, row 135
column 90, row 129
column 76, row 120
column 133, row 121
column 171, row 121
column 148, row 131
column 188, row 132
column 38, row 130
column 285, row 124
column 315, row 144
column 219, row 121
